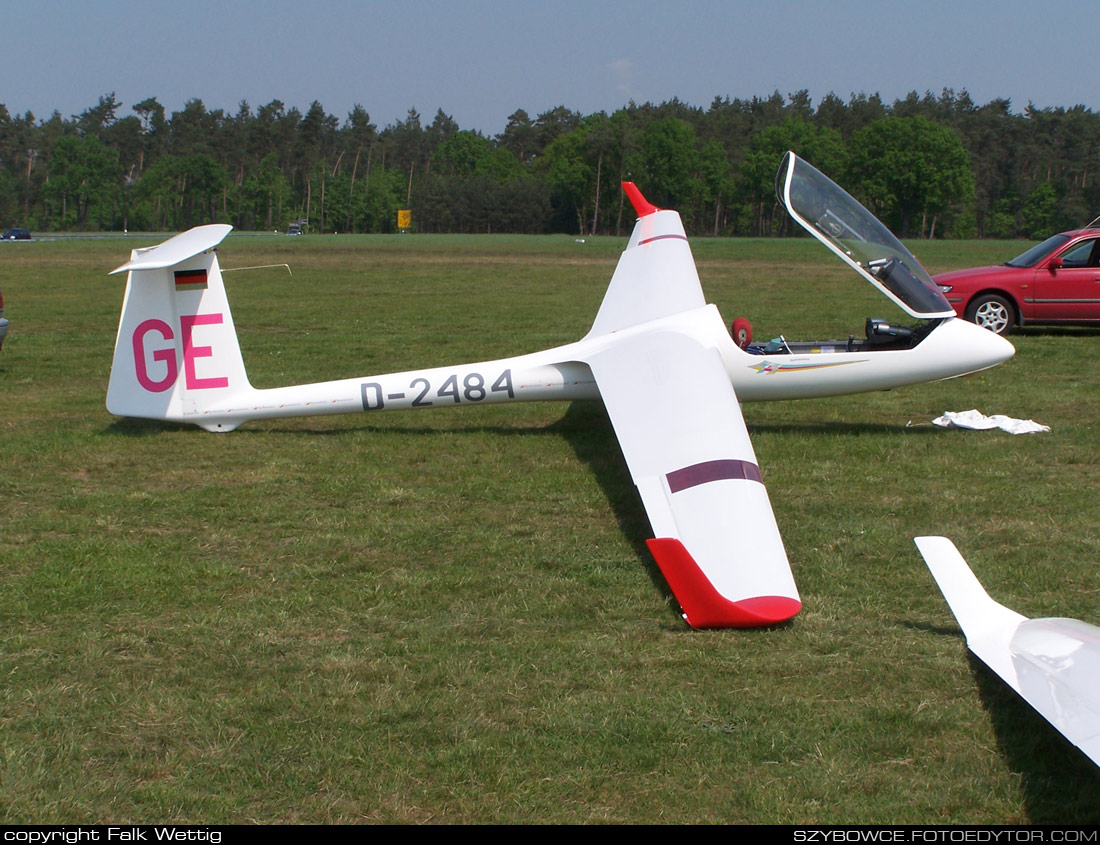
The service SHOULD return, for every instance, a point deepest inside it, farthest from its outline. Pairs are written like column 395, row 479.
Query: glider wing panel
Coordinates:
column 1054, row 664
column 655, row 276
column 988, row 626
column 680, row 428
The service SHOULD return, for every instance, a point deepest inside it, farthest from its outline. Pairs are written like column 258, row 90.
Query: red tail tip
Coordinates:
column 640, row 203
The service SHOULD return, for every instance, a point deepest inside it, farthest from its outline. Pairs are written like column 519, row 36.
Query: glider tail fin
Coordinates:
column 177, row 356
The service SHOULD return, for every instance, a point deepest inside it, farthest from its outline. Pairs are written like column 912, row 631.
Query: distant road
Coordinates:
column 95, row 236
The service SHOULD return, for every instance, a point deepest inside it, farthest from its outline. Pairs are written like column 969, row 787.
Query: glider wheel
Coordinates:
column 742, row 332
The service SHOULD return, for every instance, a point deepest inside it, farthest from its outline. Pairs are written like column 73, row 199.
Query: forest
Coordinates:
column 930, row 166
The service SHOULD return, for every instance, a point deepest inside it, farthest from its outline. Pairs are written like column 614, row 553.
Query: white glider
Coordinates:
column 1052, row 663
column 658, row 356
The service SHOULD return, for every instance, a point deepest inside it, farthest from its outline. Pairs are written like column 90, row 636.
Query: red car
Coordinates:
column 1057, row 281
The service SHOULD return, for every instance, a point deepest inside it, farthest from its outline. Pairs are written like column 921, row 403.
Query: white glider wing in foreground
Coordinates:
column 661, row 359
column 1053, row 663
column 657, row 358
column 680, row 427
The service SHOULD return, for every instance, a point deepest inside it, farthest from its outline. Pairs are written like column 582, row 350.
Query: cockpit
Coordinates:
column 850, row 231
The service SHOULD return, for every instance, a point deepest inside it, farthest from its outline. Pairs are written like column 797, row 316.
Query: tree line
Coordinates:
column 928, row 165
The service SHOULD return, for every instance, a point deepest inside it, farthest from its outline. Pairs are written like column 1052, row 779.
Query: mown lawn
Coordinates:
column 452, row 617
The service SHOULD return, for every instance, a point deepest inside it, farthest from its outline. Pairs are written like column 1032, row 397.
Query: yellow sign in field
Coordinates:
column 404, row 218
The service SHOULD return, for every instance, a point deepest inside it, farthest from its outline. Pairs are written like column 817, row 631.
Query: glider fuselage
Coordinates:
column 953, row 348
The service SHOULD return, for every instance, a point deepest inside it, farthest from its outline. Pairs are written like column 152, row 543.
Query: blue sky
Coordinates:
column 480, row 60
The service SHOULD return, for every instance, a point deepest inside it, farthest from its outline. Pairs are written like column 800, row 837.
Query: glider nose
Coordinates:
column 980, row 348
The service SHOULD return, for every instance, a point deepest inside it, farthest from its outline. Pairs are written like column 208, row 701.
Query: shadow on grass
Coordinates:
column 1060, row 785
column 854, row 429
column 588, row 431
column 133, row 427
column 585, row 426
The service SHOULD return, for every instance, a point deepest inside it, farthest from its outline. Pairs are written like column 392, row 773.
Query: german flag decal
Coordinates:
column 190, row 280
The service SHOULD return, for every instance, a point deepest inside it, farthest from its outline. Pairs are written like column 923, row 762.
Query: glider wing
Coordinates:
column 655, row 276
column 680, row 428
column 1054, row 664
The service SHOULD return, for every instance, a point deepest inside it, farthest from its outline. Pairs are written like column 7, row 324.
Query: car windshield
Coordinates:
column 1038, row 252
column 833, row 216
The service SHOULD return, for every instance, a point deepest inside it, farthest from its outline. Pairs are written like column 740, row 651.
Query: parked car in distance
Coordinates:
column 3, row 322
column 16, row 234
column 1054, row 282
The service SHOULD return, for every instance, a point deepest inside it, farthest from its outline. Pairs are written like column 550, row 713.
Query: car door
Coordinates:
column 1067, row 285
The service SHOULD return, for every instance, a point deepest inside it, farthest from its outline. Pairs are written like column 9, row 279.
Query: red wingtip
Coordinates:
column 640, row 203
column 704, row 606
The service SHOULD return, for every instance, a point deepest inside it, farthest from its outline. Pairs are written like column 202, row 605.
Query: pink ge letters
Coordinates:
column 167, row 355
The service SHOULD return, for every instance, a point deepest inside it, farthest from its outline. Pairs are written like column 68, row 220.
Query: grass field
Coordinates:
column 452, row 617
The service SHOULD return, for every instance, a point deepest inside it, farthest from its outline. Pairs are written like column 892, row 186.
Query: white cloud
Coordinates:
column 624, row 73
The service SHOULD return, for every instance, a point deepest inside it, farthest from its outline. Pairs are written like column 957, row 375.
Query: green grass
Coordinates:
column 451, row 616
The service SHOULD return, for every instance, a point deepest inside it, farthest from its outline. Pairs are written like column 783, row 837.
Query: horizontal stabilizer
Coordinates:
column 177, row 249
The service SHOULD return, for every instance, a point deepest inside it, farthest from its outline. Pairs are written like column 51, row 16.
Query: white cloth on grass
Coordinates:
column 980, row 422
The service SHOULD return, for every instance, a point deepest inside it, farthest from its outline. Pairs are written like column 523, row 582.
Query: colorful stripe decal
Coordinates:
column 190, row 279
column 661, row 238
column 708, row 471
column 771, row 367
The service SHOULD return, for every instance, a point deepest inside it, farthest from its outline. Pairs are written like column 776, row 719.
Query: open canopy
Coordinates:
column 831, row 215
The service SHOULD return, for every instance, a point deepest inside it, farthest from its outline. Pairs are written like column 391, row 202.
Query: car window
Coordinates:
column 1038, row 252
column 1081, row 254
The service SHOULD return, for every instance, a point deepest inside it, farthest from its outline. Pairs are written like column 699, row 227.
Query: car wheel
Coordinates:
column 992, row 312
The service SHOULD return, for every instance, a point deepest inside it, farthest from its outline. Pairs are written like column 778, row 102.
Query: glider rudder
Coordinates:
column 176, row 352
